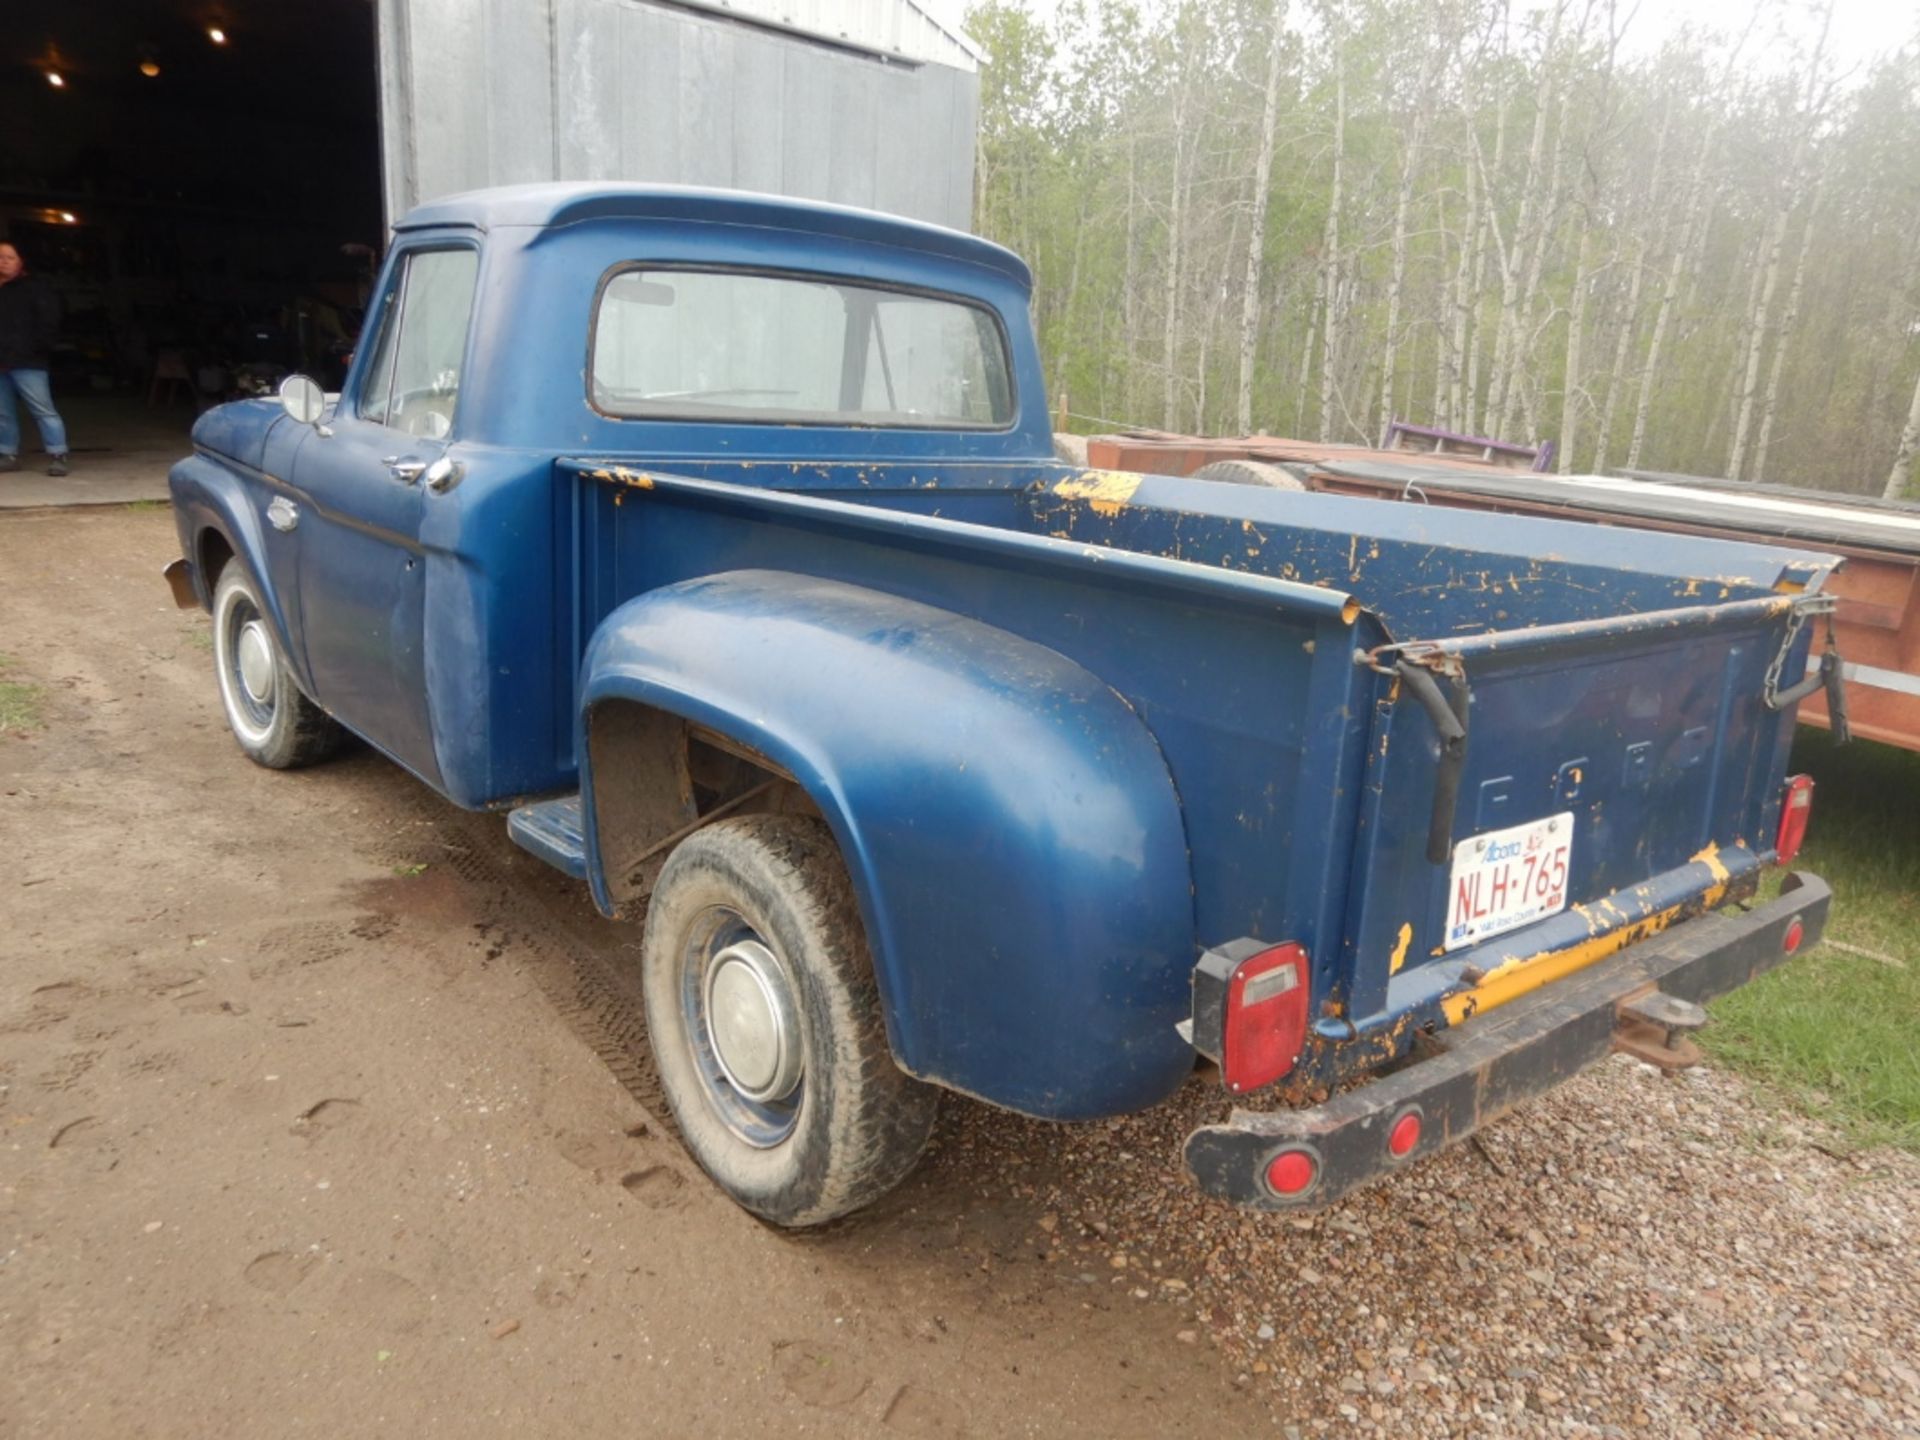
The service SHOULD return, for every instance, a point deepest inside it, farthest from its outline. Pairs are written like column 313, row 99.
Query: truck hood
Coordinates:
column 238, row 430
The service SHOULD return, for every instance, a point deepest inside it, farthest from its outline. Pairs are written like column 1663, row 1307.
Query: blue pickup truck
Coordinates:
column 718, row 540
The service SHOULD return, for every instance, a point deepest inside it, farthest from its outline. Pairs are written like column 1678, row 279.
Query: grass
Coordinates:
column 1835, row 1031
column 143, row 505
column 19, row 702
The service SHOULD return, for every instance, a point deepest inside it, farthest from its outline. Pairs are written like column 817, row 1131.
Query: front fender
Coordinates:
column 1011, row 830
column 208, row 495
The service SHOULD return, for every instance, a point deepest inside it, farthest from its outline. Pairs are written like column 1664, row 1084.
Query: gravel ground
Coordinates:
column 1637, row 1254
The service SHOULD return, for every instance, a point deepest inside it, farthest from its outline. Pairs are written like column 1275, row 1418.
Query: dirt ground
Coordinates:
column 294, row 1134
column 324, row 1110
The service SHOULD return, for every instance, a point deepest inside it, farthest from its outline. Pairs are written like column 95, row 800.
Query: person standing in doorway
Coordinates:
column 29, row 318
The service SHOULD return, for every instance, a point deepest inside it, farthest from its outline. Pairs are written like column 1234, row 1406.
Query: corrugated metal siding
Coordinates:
column 502, row 91
column 893, row 27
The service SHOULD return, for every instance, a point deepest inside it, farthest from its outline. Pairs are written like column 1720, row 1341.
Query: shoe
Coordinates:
column 57, row 465
column 9, row 462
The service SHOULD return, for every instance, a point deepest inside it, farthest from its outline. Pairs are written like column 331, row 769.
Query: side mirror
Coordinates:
column 303, row 399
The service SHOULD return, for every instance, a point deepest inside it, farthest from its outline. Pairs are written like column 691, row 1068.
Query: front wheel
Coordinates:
column 766, row 1023
column 277, row 726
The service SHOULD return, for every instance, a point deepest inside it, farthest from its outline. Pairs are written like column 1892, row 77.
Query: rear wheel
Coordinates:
column 1249, row 472
column 276, row 725
column 766, row 1023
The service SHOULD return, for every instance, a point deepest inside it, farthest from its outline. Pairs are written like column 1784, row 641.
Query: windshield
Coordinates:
column 772, row 348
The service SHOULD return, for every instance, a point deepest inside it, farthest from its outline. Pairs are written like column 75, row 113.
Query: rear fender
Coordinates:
column 1012, row 833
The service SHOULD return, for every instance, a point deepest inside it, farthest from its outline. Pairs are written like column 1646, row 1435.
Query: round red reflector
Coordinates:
column 1292, row 1172
column 1796, row 932
column 1404, row 1135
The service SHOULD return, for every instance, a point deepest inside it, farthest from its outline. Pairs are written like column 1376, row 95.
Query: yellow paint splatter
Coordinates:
column 1516, row 977
column 1520, row 976
column 1400, row 949
column 1710, row 857
column 620, row 475
column 1107, row 491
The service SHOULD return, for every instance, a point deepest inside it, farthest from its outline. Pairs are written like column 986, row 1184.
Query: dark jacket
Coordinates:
column 29, row 319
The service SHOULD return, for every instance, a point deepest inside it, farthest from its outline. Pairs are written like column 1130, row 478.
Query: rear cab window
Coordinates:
column 748, row 347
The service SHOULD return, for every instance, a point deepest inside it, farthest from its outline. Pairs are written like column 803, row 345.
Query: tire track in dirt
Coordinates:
column 581, row 976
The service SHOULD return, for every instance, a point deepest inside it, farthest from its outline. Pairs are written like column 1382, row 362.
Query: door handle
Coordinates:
column 407, row 472
column 444, row 473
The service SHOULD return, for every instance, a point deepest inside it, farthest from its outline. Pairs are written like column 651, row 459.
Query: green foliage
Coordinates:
column 1672, row 164
column 1833, row 1030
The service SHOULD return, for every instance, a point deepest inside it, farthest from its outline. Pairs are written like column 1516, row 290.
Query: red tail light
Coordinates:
column 1794, row 811
column 1404, row 1135
column 1292, row 1173
column 1265, row 1019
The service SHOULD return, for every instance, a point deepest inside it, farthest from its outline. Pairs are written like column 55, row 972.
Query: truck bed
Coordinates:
column 1612, row 679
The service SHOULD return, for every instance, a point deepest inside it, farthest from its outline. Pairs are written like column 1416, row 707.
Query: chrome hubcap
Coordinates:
column 243, row 660
column 255, row 656
column 751, row 1021
column 741, row 1013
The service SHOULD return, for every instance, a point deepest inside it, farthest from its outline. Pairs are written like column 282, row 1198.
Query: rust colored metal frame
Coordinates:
column 1877, row 622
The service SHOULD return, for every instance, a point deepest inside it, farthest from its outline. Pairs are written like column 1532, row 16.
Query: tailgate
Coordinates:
column 1617, row 775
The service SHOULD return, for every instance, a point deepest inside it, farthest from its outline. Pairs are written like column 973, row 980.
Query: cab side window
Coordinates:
column 412, row 383
column 378, row 380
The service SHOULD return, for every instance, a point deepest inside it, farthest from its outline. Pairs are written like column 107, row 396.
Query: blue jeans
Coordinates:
column 32, row 386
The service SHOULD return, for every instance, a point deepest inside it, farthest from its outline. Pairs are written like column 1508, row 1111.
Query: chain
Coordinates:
column 1812, row 605
column 1426, row 653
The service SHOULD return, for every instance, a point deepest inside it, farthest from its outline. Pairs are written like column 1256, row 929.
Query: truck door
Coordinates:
column 363, row 569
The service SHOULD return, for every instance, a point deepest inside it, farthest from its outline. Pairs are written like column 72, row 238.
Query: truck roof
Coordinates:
column 545, row 206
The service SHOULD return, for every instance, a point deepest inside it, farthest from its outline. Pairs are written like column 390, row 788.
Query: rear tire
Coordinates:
column 767, row 1027
column 275, row 724
column 1248, row 472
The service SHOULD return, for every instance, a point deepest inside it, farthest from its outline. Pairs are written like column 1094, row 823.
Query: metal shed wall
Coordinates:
column 497, row 92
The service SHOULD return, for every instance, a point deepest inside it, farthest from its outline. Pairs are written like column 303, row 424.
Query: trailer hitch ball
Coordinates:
column 1654, row 1026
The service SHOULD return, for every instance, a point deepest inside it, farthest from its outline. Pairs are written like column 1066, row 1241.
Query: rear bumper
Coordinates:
column 1491, row 1063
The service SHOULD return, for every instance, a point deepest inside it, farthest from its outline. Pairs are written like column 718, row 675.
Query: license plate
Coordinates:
column 1508, row 878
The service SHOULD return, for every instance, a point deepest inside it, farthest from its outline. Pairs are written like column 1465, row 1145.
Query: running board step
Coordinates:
column 555, row 830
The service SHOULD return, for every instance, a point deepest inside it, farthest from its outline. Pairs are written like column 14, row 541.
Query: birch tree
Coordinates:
column 1416, row 139
column 1763, row 320
column 1771, row 409
column 1330, row 254
column 1508, row 336
column 1902, row 471
column 1257, row 230
column 1176, row 202
column 1241, row 216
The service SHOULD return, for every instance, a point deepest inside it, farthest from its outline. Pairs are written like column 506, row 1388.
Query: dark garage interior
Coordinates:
column 201, row 184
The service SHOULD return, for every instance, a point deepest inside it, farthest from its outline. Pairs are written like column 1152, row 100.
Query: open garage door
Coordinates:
column 199, row 183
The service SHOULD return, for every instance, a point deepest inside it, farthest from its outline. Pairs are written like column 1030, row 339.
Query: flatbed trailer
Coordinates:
column 1877, row 617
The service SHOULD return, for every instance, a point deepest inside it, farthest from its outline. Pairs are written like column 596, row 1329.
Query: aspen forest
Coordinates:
column 1305, row 217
